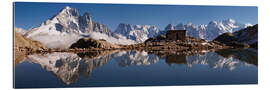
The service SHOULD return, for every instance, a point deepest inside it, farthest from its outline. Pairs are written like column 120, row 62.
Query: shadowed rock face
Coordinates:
column 92, row 43
column 247, row 36
column 225, row 38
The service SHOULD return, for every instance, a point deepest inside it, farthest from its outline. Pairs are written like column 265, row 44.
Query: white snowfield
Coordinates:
column 115, row 39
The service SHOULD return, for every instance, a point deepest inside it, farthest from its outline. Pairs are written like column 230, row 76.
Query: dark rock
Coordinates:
column 242, row 38
column 161, row 37
column 149, row 39
column 254, row 45
column 92, row 43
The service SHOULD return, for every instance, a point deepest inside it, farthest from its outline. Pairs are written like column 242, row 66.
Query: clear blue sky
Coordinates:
column 28, row 14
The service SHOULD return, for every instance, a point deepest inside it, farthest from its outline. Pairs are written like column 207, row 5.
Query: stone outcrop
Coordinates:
column 89, row 43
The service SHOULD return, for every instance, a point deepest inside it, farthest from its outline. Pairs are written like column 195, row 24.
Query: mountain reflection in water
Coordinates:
column 68, row 67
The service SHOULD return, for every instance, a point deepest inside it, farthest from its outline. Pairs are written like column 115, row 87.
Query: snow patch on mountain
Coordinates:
column 60, row 40
column 115, row 39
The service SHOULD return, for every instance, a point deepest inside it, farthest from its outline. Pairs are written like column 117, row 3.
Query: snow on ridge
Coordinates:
column 63, row 40
column 138, row 33
column 20, row 30
column 116, row 39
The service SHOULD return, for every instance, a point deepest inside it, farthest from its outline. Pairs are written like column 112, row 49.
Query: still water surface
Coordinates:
column 135, row 68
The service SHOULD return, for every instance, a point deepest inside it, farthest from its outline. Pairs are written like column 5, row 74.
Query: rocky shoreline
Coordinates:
column 189, row 45
column 159, row 43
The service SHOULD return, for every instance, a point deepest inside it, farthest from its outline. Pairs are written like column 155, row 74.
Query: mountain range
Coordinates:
column 138, row 33
column 68, row 26
column 209, row 31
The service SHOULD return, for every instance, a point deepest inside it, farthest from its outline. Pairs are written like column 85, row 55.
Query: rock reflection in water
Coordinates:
column 213, row 60
column 19, row 57
column 225, row 59
column 69, row 66
column 64, row 65
column 247, row 55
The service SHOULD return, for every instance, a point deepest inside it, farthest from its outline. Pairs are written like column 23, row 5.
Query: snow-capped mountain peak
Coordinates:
column 66, row 27
column 69, row 11
column 231, row 21
column 210, row 30
column 169, row 27
column 138, row 33
column 190, row 24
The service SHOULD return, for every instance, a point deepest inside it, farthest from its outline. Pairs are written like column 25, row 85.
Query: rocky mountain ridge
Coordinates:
column 246, row 36
column 65, row 28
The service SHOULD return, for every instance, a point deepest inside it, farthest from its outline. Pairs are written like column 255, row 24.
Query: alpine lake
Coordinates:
column 135, row 68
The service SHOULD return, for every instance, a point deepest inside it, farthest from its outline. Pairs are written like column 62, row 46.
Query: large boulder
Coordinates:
column 93, row 43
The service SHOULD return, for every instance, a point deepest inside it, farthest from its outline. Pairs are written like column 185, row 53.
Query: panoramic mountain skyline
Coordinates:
column 68, row 26
column 112, row 15
column 97, row 45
